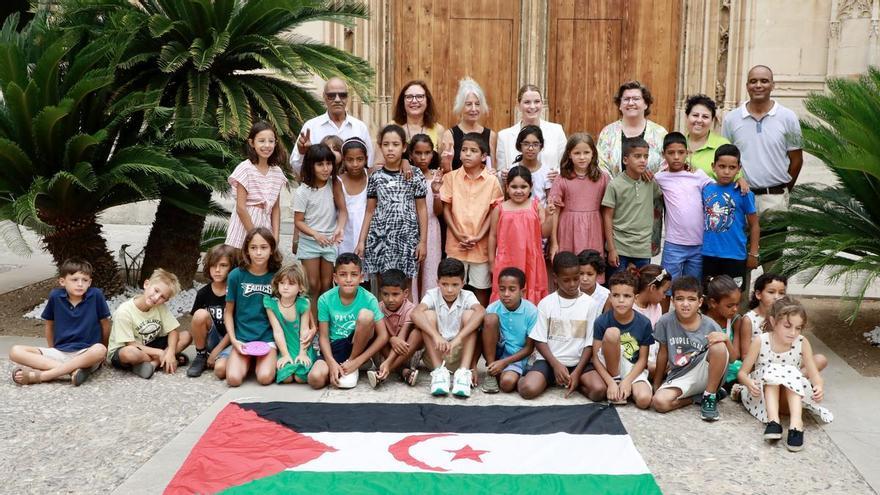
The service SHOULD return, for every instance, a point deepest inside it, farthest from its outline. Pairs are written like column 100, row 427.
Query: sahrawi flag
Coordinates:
column 285, row 447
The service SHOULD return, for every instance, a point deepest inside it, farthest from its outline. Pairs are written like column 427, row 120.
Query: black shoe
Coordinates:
column 795, row 440
column 198, row 365
column 773, row 431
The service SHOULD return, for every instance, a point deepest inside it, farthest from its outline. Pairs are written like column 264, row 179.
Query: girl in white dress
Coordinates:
column 777, row 357
column 353, row 178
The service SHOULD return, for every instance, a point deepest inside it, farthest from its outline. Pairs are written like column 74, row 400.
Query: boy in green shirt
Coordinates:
column 628, row 210
column 350, row 326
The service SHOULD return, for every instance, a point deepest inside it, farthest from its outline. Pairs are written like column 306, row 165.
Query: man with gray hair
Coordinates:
column 335, row 121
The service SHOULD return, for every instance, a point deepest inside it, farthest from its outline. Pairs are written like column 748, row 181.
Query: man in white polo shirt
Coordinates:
column 769, row 137
column 335, row 121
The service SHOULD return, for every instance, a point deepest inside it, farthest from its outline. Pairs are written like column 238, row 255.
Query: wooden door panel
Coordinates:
column 588, row 61
column 588, row 9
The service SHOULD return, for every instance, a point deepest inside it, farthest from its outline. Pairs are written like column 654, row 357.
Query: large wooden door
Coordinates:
column 442, row 41
column 595, row 45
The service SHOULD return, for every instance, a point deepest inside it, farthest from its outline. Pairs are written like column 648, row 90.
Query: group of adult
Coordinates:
column 767, row 134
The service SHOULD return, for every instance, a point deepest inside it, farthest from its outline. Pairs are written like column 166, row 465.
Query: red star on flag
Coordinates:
column 467, row 452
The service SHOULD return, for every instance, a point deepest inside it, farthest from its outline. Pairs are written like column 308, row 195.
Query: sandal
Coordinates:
column 409, row 376
column 29, row 376
column 79, row 376
column 182, row 359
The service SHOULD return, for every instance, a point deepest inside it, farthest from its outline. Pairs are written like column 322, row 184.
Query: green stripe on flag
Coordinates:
column 364, row 483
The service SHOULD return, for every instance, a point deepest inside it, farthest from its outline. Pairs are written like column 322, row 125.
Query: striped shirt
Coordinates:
column 262, row 194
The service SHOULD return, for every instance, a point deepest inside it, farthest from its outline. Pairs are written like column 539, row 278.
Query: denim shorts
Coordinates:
column 309, row 249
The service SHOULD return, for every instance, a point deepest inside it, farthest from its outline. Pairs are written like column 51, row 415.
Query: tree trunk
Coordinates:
column 82, row 238
column 175, row 237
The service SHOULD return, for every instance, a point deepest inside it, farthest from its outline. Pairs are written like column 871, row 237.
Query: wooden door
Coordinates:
column 442, row 41
column 595, row 45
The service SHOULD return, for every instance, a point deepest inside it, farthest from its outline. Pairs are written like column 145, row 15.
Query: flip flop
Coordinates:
column 78, row 377
column 410, row 376
column 29, row 376
column 144, row 370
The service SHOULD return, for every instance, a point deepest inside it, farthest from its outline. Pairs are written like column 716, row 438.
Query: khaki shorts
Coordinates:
column 477, row 275
column 777, row 202
column 694, row 381
column 64, row 356
column 453, row 359
column 625, row 367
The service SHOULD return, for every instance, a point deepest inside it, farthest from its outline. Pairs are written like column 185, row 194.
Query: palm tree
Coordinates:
column 63, row 158
column 835, row 229
column 225, row 63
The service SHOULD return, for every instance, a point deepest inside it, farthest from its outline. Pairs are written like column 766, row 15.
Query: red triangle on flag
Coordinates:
column 240, row 447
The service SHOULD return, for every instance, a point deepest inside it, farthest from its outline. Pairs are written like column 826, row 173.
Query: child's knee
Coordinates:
column 365, row 318
column 491, row 322
column 17, row 352
column 612, row 335
column 821, row 361
column 201, row 320
column 265, row 377
column 234, row 380
column 508, row 382
column 184, row 339
column 661, row 403
column 132, row 355
column 529, row 389
column 717, row 352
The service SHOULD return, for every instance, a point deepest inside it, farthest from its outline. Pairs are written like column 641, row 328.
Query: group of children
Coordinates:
column 313, row 321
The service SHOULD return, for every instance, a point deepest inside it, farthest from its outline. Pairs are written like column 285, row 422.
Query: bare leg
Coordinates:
column 184, row 339
column 489, row 337
column 319, row 375
column 326, row 277
column 593, row 386
column 364, row 330
column 509, row 381
column 641, row 394
column 265, row 368
column 313, row 273
column 717, row 358
column 795, row 409
column 771, row 402
column 532, row 385
column 201, row 325
column 51, row 369
column 237, row 368
column 220, row 368
column 666, row 400
column 611, row 350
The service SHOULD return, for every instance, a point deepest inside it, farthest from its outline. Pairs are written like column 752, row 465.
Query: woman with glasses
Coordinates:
column 471, row 106
column 530, row 104
column 414, row 111
column 633, row 102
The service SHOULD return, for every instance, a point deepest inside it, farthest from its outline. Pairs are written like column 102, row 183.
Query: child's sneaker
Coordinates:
column 198, row 365
column 144, row 370
column 490, row 385
column 461, row 382
column 795, row 440
column 440, row 380
column 709, row 408
column 373, row 378
column 773, row 431
column 350, row 380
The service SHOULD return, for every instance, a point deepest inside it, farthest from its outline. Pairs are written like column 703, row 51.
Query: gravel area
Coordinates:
column 59, row 439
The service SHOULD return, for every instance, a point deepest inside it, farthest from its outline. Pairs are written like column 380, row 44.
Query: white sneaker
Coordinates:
column 350, row 380
column 461, row 383
column 440, row 380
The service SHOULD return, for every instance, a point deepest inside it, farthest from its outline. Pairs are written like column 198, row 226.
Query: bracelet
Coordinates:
column 756, row 256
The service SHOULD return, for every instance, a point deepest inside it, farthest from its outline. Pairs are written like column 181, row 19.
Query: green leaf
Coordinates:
column 172, row 57
column 13, row 68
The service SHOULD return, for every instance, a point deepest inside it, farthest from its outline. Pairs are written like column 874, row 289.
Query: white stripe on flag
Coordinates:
column 558, row 453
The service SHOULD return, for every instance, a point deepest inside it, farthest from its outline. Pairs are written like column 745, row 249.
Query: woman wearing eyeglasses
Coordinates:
column 633, row 101
column 415, row 112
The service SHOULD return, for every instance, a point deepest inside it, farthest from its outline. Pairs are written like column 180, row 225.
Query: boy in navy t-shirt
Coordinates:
column 621, row 338
column 727, row 212
column 77, row 328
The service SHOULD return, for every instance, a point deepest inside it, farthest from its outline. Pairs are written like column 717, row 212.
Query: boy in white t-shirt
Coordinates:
column 448, row 318
column 592, row 266
column 563, row 335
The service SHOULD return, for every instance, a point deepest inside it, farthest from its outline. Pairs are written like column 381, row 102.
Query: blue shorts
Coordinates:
column 309, row 249
column 544, row 368
column 341, row 348
column 516, row 367
column 214, row 339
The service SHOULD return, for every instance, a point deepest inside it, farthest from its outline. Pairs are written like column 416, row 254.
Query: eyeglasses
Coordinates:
column 337, row 94
column 631, row 99
column 530, row 145
column 420, row 97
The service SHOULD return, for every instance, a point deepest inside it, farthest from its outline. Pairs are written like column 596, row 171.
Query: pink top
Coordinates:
column 262, row 194
column 683, row 195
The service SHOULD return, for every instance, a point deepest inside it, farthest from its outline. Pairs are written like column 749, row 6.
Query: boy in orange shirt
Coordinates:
column 468, row 195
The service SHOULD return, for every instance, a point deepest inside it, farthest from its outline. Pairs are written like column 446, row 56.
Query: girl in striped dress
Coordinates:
column 256, row 185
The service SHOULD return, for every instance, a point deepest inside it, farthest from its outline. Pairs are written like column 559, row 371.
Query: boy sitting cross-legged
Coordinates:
column 696, row 351
column 506, row 342
column 621, row 338
column 77, row 326
column 351, row 327
column 563, row 335
column 448, row 318
column 404, row 340
column 144, row 334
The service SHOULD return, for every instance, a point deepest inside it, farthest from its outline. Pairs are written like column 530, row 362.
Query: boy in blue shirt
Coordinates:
column 506, row 328
column 621, row 338
column 77, row 328
column 351, row 329
column 727, row 212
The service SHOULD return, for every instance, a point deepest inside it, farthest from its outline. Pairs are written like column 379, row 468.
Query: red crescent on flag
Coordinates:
column 400, row 451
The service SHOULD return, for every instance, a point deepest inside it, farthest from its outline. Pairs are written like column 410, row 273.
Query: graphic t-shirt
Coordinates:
column 566, row 325
column 130, row 324
column 725, row 211
column 632, row 335
column 246, row 290
column 214, row 304
column 343, row 318
column 685, row 349
column 514, row 325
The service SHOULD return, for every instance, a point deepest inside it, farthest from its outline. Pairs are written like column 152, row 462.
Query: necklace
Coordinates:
column 287, row 307
column 409, row 134
column 573, row 301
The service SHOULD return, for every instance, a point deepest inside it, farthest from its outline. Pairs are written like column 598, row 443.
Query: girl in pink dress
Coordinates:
column 515, row 232
column 423, row 156
column 577, row 192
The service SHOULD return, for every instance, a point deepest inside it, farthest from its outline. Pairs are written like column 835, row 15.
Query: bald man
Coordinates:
column 335, row 121
column 769, row 138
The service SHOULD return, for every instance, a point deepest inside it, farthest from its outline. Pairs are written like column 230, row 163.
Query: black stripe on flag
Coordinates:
column 311, row 417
